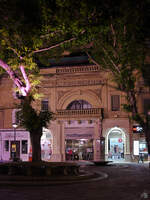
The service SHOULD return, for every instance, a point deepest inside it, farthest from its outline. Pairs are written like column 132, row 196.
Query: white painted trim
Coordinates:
column 124, row 137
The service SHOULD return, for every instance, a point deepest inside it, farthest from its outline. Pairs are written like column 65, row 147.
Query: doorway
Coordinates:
column 15, row 150
column 46, row 145
column 79, row 149
column 116, row 148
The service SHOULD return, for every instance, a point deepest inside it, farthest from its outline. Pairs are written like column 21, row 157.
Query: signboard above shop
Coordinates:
column 137, row 129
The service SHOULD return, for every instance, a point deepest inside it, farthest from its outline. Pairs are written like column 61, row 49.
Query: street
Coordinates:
column 126, row 181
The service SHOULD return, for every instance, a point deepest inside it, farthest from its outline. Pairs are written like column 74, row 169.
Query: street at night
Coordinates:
column 125, row 181
column 74, row 100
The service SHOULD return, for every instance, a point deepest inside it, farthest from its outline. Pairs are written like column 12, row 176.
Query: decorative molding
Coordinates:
column 98, row 92
column 61, row 93
column 77, row 69
column 78, row 114
column 74, row 83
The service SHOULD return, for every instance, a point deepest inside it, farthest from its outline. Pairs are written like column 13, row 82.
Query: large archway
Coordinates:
column 79, row 134
column 74, row 95
column 116, row 144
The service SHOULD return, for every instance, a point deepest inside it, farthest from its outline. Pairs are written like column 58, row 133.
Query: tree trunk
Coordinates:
column 36, row 145
column 133, row 102
column 147, row 135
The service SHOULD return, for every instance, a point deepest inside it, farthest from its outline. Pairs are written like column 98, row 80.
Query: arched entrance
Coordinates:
column 116, row 144
column 46, row 145
column 79, row 134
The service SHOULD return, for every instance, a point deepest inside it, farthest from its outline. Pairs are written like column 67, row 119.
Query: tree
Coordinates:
column 27, row 29
column 119, row 48
column 33, row 31
column 30, row 33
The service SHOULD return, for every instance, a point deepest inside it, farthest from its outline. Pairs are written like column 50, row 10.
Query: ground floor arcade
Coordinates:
column 76, row 140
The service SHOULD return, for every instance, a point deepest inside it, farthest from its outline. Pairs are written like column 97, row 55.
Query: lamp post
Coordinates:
column 14, row 149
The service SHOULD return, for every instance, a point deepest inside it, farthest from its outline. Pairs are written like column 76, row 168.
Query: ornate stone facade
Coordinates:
column 93, row 131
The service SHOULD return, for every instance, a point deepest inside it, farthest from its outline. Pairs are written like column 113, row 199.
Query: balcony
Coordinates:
column 76, row 114
column 77, row 69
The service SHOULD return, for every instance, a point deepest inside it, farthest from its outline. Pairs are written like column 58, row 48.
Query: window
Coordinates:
column 24, row 146
column 6, row 145
column 15, row 116
column 79, row 105
column 115, row 102
column 44, row 105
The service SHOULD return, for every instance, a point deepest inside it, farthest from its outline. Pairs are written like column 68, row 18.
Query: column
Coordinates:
column 58, row 150
column 62, row 140
column 96, row 141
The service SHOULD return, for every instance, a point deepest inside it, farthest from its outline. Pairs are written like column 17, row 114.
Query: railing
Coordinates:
column 76, row 69
column 92, row 112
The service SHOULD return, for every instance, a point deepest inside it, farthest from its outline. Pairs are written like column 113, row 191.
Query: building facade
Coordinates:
column 89, row 124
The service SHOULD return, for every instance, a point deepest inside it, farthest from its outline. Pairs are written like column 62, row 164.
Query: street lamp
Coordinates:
column 15, row 126
column 14, row 149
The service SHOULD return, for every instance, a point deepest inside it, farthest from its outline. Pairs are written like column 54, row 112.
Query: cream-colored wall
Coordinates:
column 7, row 102
column 61, row 89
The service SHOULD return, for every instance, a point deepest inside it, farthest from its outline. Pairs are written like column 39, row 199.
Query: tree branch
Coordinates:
column 90, row 57
column 16, row 53
column 51, row 47
column 52, row 33
column 116, row 67
column 28, row 86
column 124, row 30
column 24, row 89
column 114, row 34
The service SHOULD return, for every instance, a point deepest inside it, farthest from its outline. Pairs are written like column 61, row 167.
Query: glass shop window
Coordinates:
column 24, row 146
column 6, row 145
column 44, row 105
column 79, row 105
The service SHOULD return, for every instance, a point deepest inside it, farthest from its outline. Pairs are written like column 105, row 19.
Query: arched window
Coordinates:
column 79, row 105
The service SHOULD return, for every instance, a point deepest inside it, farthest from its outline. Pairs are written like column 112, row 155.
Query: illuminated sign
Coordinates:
column 120, row 140
column 136, row 147
column 137, row 129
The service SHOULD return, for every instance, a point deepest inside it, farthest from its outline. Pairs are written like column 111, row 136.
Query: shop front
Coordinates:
column 79, row 149
column 140, row 150
column 79, row 140
column 116, row 144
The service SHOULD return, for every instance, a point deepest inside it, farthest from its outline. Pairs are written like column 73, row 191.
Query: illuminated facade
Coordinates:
column 90, row 123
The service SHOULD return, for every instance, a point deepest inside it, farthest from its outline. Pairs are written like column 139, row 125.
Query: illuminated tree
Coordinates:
column 110, row 32
column 27, row 29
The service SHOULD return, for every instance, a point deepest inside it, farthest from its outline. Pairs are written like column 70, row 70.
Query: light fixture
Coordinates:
column 14, row 125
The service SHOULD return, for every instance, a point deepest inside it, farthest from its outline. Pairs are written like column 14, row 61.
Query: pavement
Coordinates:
column 124, row 181
column 84, row 176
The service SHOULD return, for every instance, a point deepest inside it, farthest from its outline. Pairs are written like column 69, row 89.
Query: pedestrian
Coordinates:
column 140, row 158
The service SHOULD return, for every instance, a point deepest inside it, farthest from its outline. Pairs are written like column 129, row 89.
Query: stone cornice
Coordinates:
column 72, row 83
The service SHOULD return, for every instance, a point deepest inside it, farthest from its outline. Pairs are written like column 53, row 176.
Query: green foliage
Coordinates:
column 112, row 32
column 31, row 119
column 127, row 107
column 118, row 45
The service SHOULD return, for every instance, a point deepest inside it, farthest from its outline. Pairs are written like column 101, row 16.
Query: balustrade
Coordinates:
column 78, row 113
column 77, row 69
